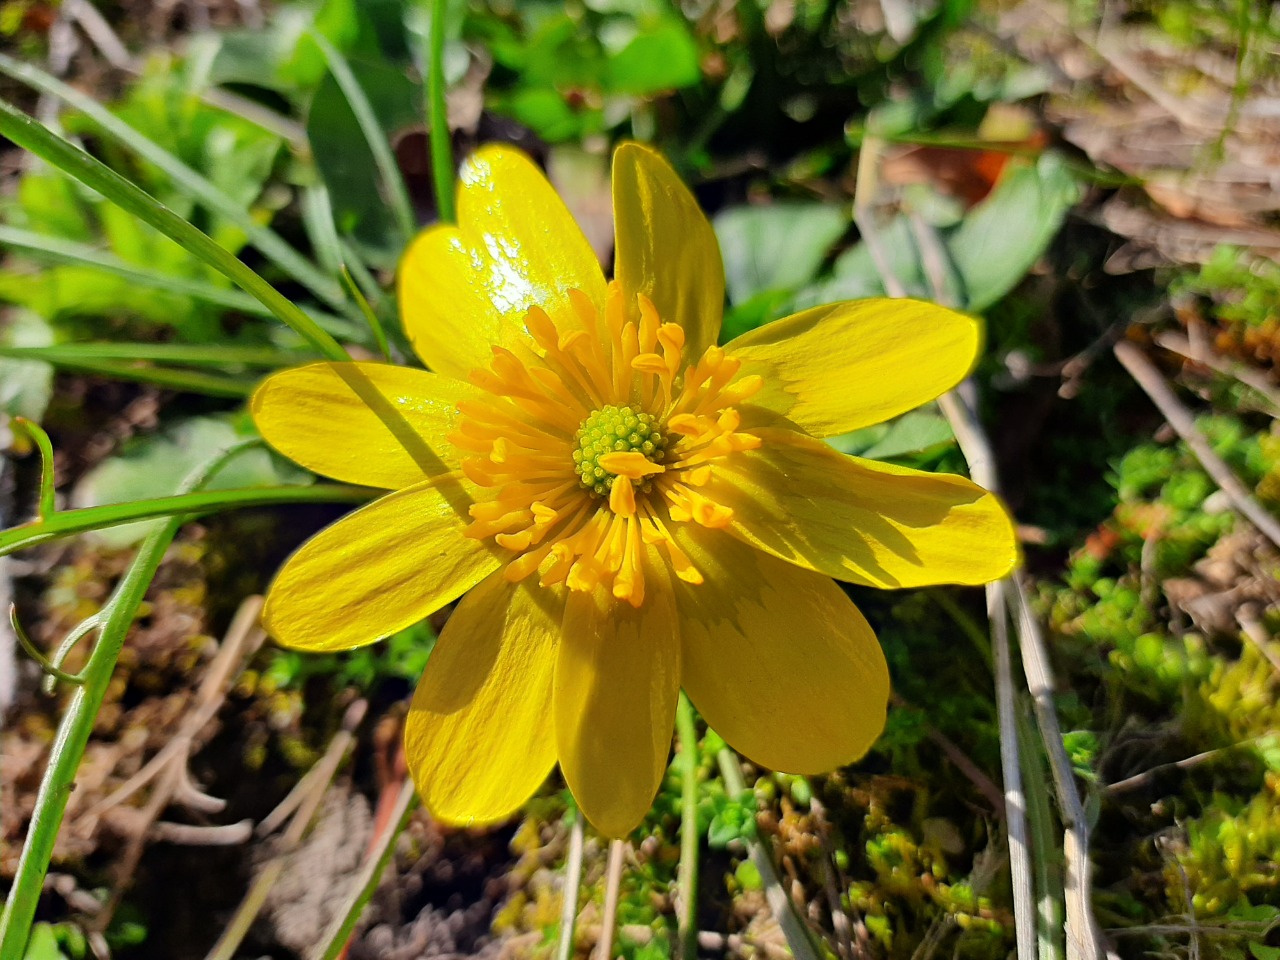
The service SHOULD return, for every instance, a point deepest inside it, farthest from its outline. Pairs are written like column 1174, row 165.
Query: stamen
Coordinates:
column 592, row 440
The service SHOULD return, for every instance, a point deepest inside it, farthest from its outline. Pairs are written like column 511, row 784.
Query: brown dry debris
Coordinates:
column 1205, row 161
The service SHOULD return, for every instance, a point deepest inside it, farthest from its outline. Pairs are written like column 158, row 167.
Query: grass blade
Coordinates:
column 438, row 117
column 49, row 249
column 187, row 381
column 180, row 353
column 270, row 243
column 66, row 523
column 33, row 136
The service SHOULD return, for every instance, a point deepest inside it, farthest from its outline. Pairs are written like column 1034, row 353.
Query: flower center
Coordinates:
column 615, row 429
column 590, row 445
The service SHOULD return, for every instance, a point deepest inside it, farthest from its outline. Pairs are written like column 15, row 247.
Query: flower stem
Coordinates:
column 688, row 875
column 438, row 119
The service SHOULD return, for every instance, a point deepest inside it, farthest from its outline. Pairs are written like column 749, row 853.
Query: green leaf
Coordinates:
column 985, row 255
column 155, row 466
column 25, row 385
column 43, row 944
column 1001, row 238
column 775, row 247
column 914, row 432
column 346, row 162
column 33, row 136
column 664, row 57
column 356, row 90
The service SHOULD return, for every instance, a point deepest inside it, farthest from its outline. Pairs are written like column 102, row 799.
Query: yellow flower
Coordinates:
column 633, row 508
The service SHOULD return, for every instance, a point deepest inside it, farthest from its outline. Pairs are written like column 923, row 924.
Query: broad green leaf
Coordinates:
column 985, row 255
column 914, row 432
column 775, row 247
column 25, row 385
column 662, row 58
column 155, row 466
column 345, row 161
column 1001, row 238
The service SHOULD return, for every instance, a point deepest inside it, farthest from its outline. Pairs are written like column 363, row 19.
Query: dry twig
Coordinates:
column 1153, row 384
column 169, row 770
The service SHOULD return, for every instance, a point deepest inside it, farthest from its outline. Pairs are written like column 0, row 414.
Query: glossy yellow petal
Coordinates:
column 479, row 738
column 863, row 521
column 665, row 248
column 464, row 289
column 777, row 659
column 616, row 686
column 378, row 570
column 369, row 423
column 836, row 368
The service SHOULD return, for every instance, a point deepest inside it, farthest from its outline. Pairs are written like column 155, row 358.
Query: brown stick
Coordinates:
column 1153, row 384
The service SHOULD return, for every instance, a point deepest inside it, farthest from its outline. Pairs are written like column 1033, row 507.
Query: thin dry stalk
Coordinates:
column 169, row 771
column 1201, row 353
column 572, row 884
column 1015, row 800
column 1153, row 384
column 256, row 897
column 612, row 889
column 1083, row 937
column 1186, row 763
column 1256, row 634
column 839, row 919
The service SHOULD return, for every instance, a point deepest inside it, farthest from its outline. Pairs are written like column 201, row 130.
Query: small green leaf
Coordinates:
column 913, row 432
column 155, row 467
column 43, row 944
column 25, row 385
column 1001, row 238
column 775, row 247
column 662, row 58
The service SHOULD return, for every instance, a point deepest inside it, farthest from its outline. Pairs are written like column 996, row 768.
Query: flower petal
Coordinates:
column 862, row 521
column 464, row 289
column 847, row 365
column 616, row 686
column 378, row 570
column 479, row 737
column 665, row 248
column 369, row 423
column 777, row 659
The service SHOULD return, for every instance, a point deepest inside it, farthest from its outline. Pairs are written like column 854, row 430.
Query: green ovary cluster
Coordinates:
column 614, row 429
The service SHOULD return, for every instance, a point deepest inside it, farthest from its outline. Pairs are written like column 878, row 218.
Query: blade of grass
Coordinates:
column 375, row 325
column 187, row 381
column 397, row 194
column 77, row 723
column 687, row 879
column 317, row 220
column 58, row 250
column 270, row 243
column 66, row 523
column 793, row 925
column 180, row 353
column 31, row 135
column 1047, row 858
column 339, row 932
column 438, row 117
